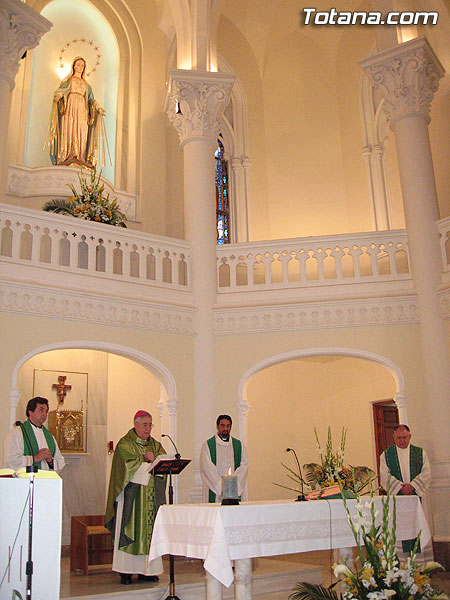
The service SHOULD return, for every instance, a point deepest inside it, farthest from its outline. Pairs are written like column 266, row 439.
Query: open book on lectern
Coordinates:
column 168, row 463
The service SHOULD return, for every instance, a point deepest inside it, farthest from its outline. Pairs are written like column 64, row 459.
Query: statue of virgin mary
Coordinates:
column 76, row 121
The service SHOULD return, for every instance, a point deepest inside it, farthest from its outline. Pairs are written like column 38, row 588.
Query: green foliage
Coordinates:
column 311, row 591
column 331, row 471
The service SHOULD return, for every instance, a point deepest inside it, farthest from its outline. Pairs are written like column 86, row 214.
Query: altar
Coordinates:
column 222, row 534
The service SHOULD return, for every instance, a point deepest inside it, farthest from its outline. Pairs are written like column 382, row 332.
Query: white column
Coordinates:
column 21, row 28
column 201, row 98
column 239, row 216
column 408, row 76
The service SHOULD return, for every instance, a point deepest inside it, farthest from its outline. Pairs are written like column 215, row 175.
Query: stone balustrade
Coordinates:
column 376, row 257
column 444, row 231
column 66, row 245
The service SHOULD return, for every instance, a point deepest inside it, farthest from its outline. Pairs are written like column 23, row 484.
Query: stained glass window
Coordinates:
column 222, row 196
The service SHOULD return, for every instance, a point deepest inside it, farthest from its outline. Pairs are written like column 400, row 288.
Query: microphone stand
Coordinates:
column 29, row 565
column 301, row 497
column 172, row 595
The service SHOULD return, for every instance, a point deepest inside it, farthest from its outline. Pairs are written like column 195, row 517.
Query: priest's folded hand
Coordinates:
column 149, row 456
column 43, row 454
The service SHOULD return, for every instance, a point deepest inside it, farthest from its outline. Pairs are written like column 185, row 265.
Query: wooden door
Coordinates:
column 385, row 418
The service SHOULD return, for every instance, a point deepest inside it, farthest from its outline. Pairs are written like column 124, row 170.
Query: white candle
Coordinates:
column 230, row 487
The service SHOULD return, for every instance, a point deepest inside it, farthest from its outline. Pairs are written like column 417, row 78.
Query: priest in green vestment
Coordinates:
column 134, row 497
column 220, row 455
column 31, row 443
column 408, row 468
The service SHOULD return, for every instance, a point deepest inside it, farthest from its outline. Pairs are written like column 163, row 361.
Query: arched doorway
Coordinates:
column 293, row 393
column 117, row 381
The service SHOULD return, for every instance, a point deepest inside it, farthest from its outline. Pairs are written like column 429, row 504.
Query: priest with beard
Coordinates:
column 134, row 497
column 220, row 455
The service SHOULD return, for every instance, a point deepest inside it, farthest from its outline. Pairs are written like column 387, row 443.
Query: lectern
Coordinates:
column 170, row 466
column 47, row 507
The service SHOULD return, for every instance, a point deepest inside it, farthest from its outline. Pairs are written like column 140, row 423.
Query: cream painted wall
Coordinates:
column 239, row 53
column 308, row 175
column 153, row 119
column 131, row 387
column 290, row 399
column 440, row 144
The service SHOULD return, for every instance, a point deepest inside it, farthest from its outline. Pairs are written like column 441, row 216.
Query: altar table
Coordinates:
column 220, row 534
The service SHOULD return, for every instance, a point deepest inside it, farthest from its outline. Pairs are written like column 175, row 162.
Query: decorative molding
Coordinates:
column 400, row 399
column 195, row 101
column 23, row 299
column 317, row 315
column 407, row 76
column 444, row 301
column 52, row 181
column 21, row 29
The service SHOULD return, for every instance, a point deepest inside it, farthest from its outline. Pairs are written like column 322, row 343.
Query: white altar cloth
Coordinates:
column 220, row 534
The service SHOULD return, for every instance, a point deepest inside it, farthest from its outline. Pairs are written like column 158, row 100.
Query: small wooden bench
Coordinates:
column 90, row 543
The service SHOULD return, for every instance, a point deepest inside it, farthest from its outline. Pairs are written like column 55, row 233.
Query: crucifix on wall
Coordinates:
column 61, row 389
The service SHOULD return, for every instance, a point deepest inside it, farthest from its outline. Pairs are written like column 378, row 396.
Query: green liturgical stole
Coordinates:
column 415, row 467
column 237, row 451
column 30, row 445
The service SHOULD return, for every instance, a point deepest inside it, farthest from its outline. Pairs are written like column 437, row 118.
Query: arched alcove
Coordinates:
column 78, row 30
column 117, row 382
column 121, row 28
column 284, row 397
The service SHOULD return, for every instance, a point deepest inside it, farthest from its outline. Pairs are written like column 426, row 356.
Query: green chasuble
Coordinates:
column 237, row 454
column 415, row 467
column 30, row 445
column 140, row 502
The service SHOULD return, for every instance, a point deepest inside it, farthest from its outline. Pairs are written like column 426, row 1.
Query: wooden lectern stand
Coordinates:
column 170, row 466
column 46, row 549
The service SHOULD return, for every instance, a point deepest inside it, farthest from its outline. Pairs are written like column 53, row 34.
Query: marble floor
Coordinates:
column 189, row 576
column 269, row 574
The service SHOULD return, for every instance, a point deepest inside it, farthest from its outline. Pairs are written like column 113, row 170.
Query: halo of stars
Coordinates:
column 89, row 43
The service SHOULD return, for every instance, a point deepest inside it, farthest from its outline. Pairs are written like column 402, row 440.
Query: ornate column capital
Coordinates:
column 194, row 102
column 21, row 28
column 407, row 77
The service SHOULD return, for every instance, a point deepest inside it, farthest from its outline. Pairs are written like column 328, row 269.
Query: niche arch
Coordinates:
column 393, row 369
column 128, row 131
column 167, row 406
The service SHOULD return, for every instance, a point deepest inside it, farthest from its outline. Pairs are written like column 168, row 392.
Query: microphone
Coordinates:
column 24, row 431
column 301, row 497
column 177, row 455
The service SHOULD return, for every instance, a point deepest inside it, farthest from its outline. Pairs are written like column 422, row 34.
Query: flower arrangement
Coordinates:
column 378, row 573
column 331, row 472
column 91, row 203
